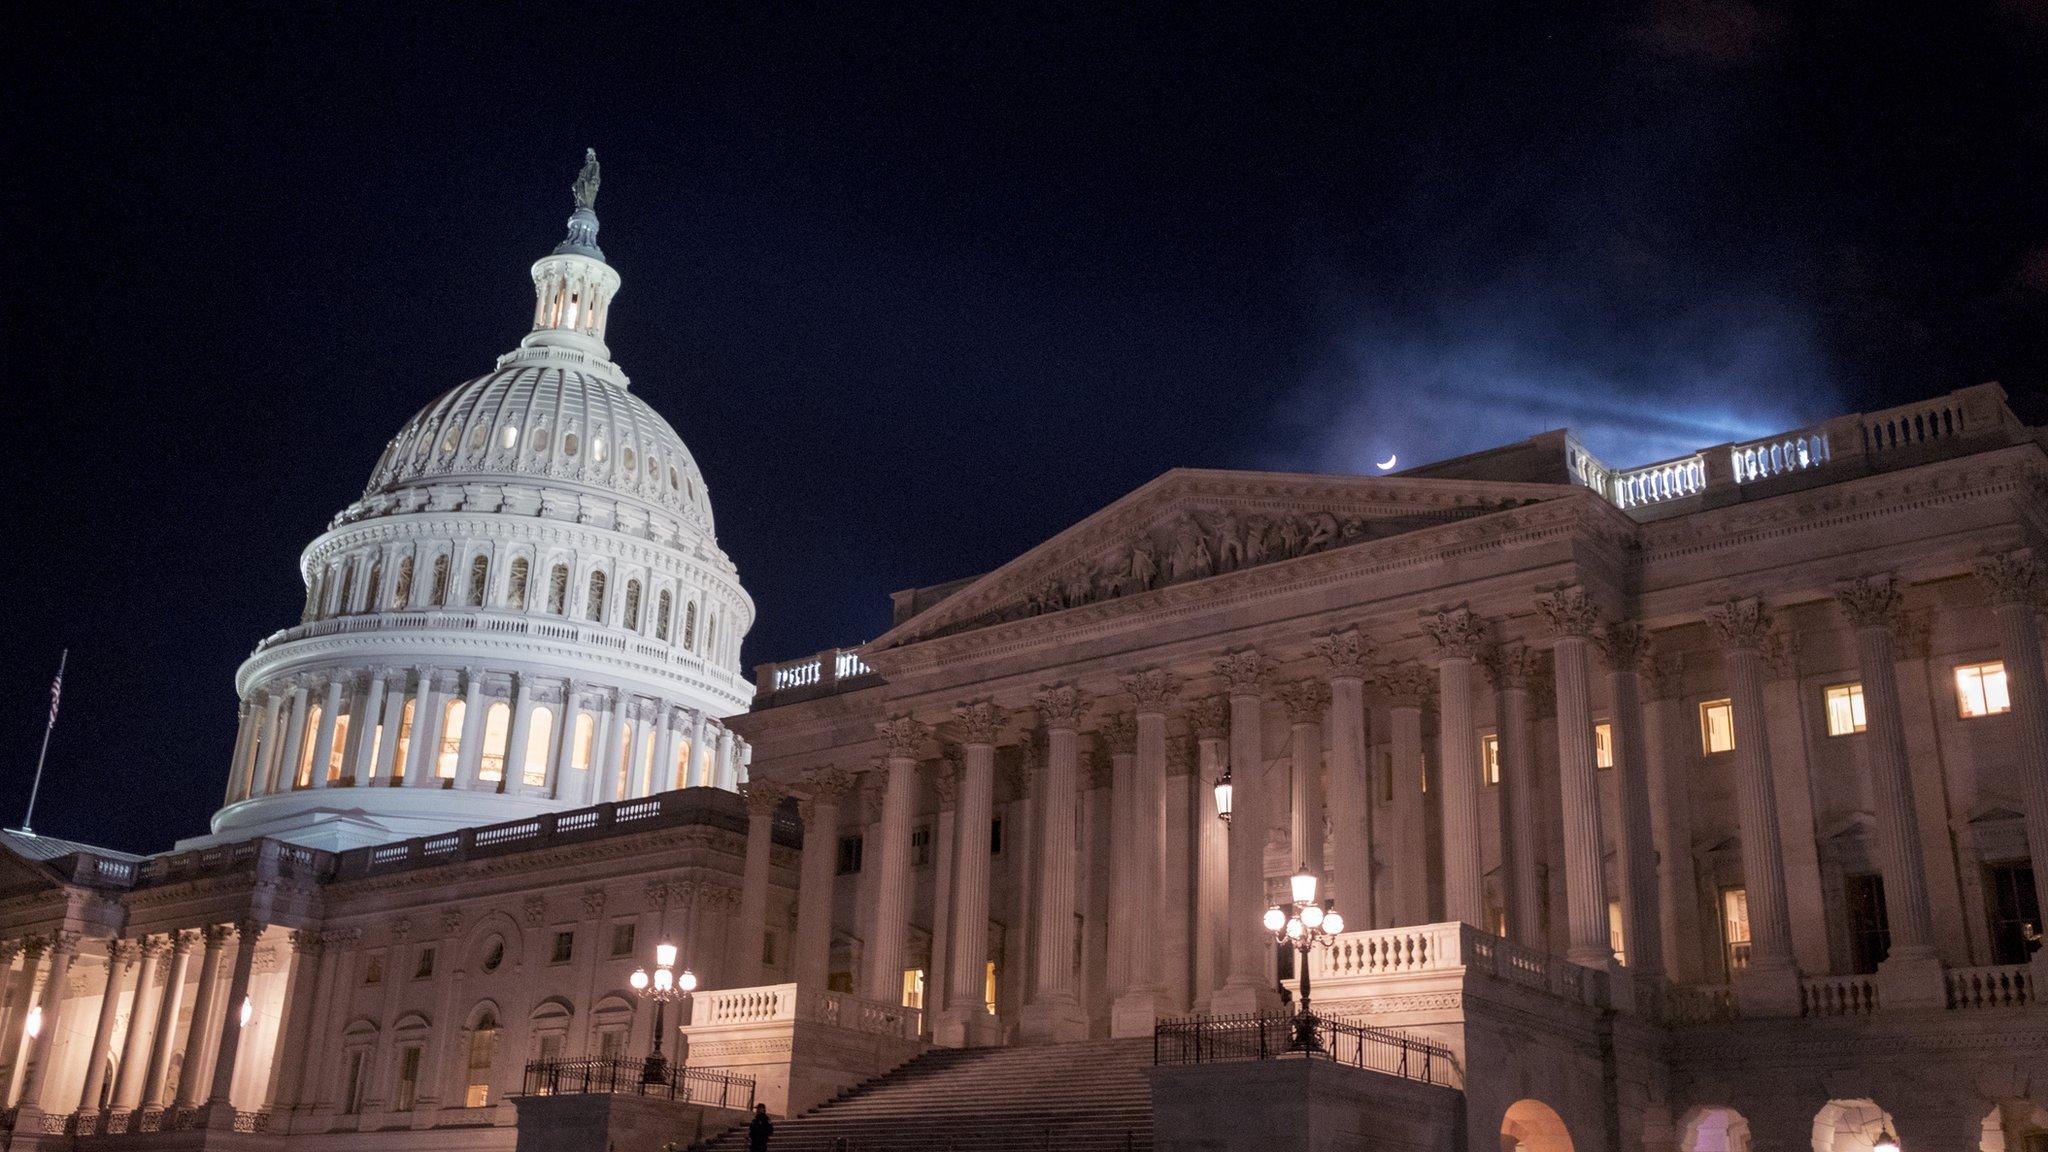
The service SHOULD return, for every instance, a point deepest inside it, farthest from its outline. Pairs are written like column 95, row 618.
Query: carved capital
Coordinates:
column 1119, row 733
column 1625, row 646
column 1871, row 602
column 1245, row 671
column 829, row 785
column 305, row 941
column 905, row 736
column 1304, row 700
column 248, row 929
column 1458, row 634
column 1349, row 653
column 2013, row 577
column 593, row 902
column 1568, row 612
column 1406, row 685
column 1209, row 717
column 1101, row 769
column 179, row 942
column 122, row 952
column 66, row 943
column 764, row 797
column 980, row 721
column 1740, row 623
column 1155, row 689
column 215, row 936
column 1511, row 667
column 1061, row 705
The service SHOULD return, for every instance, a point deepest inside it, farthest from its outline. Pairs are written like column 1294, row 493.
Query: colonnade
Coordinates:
column 1214, row 928
column 331, row 730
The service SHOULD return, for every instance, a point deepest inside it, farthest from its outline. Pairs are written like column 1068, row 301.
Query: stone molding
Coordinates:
column 1567, row 611
column 2013, row 577
column 904, row 735
column 1061, row 705
column 1871, row 602
column 1744, row 623
column 1512, row 666
column 980, row 720
column 763, row 797
column 1625, row 646
column 1457, row 633
column 1348, row 652
column 1245, row 671
column 1154, row 689
column 1209, row 717
column 1406, row 685
column 1304, row 700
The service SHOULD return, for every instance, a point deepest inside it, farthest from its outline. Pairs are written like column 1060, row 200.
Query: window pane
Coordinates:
column 1717, row 726
column 1981, row 689
column 1845, row 709
column 1603, row 745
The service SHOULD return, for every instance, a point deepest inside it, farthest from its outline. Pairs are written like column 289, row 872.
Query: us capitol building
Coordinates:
column 1692, row 807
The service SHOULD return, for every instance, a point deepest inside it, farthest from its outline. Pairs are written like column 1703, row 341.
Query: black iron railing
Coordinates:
column 706, row 1086
column 1216, row 1039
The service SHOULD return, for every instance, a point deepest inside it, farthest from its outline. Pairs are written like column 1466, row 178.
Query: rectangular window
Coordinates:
column 611, row 1044
column 913, row 988
column 425, row 968
column 2014, row 907
column 1845, row 709
column 623, row 937
column 995, row 836
column 550, row 1048
column 1980, row 689
column 1489, row 759
column 408, row 1079
column 1603, row 745
column 849, row 855
column 1614, row 933
column 1717, row 726
column 768, row 949
column 565, row 947
column 352, row 1091
column 988, row 989
column 920, row 845
column 1870, row 938
column 1734, row 930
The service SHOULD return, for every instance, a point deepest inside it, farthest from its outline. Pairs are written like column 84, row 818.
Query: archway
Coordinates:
column 1851, row 1126
column 1533, row 1126
column 1714, row 1130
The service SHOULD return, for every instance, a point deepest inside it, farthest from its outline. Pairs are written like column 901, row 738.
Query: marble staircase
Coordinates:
column 1085, row 1097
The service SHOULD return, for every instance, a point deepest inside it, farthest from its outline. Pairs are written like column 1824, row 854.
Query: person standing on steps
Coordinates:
column 759, row 1129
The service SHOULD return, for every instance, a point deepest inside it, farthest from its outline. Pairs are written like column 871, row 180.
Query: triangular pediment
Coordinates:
column 21, row 877
column 1192, row 524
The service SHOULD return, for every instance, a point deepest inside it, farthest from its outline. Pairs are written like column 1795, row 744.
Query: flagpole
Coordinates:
column 44, row 754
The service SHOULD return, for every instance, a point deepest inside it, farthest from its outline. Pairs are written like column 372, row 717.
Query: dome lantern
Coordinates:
column 573, row 286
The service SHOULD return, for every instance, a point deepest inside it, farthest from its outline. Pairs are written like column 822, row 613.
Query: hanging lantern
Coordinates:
column 1223, row 797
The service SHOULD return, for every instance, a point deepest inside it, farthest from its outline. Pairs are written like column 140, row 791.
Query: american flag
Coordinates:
column 56, row 693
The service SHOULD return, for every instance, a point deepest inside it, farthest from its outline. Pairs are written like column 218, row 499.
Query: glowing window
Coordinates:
column 1980, row 689
column 483, row 1045
column 1603, row 745
column 337, row 752
column 508, row 437
column 629, row 458
column 479, row 580
column 534, row 770
column 1717, row 726
column 515, row 588
column 570, row 443
column 988, row 989
column 913, row 988
column 404, row 749
column 594, row 603
column 538, row 438
column 1489, row 759
column 586, row 734
column 451, row 439
column 497, row 730
column 1614, row 934
column 401, row 591
column 598, row 451
column 1735, row 929
column 451, row 739
column 1845, row 709
column 304, row 774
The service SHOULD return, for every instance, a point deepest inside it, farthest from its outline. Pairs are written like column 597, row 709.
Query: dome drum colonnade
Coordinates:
column 1226, row 937
column 528, row 601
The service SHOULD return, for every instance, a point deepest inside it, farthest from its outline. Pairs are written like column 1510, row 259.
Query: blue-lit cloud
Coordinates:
column 1476, row 376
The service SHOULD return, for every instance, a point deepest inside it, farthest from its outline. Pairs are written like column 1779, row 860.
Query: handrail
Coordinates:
column 1220, row 1039
column 712, row 1087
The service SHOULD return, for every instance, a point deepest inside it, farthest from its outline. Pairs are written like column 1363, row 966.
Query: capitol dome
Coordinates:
column 526, row 611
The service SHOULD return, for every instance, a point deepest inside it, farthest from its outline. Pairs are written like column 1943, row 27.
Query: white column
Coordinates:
column 1055, row 1014
column 1246, row 991
column 1872, row 606
column 1125, row 926
column 363, row 732
column 1573, row 619
column 1138, row 1008
column 263, row 763
column 516, row 735
column 2014, row 578
column 946, row 785
column 119, row 953
column 135, row 1049
column 887, row 940
column 227, row 1021
column 607, row 766
column 1511, row 666
column 664, row 770
column 700, row 765
column 1177, row 879
column 238, row 776
column 561, row 779
column 1305, row 702
column 724, row 763
column 1459, row 636
column 762, row 801
column 469, row 758
column 966, row 1021
column 167, row 1019
column 423, row 754
column 1406, row 687
column 386, row 765
column 1349, row 869
column 323, row 740
column 284, row 773
column 192, row 1070
column 63, row 949
column 812, row 964
column 1742, row 627
column 1625, row 647
column 1668, row 729
column 24, row 986
column 1210, row 719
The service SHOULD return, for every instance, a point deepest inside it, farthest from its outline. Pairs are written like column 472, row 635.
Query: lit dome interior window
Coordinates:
column 449, row 440
column 538, row 438
column 597, row 449
column 674, row 480
column 476, row 437
column 629, row 458
column 570, row 443
column 508, row 439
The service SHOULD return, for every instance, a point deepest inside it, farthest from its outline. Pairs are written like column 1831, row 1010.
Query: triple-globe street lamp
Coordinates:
column 663, row 987
column 1304, row 924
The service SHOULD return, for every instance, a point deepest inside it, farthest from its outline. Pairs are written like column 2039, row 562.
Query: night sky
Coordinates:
column 919, row 291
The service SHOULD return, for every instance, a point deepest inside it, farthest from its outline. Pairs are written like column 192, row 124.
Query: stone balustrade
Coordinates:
column 1994, row 986
column 1454, row 949
column 787, row 1002
column 1837, row 995
column 801, row 1045
column 830, row 671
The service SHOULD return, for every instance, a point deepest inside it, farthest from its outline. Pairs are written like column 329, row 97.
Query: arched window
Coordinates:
column 440, row 589
column 665, row 606
column 586, row 738
column 515, row 589
column 632, row 620
column 594, row 605
column 303, row 775
column 313, row 591
column 479, row 580
column 400, row 754
column 346, row 600
column 401, row 589
column 376, row 583
column 533, row 768
column 690, row 626
column 483, row 1047
column 497, row 732
column 558, row 590
column 451, row 739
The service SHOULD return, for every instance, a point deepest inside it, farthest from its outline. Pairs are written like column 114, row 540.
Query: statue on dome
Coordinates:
column 585, row 188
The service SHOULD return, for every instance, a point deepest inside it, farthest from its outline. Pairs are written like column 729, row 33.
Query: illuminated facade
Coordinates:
column 1697, row 806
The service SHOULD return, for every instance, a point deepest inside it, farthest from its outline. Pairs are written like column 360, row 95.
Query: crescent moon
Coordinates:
column 1387, row 465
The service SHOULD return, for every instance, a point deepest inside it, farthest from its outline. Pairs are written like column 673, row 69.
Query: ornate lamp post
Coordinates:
column 1223, row 789
column 1304, row 924
column 664, row 986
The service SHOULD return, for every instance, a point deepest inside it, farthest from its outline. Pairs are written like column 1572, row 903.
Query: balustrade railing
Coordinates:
column 711, row 1087
column 769, row 1003
column 1837, row 995
column 1779, row 455
column 1656, row 483
column 1221, row 1039
column 502, row 622
column 1699, row 1003
column 1995, row 986
column 821, row 674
